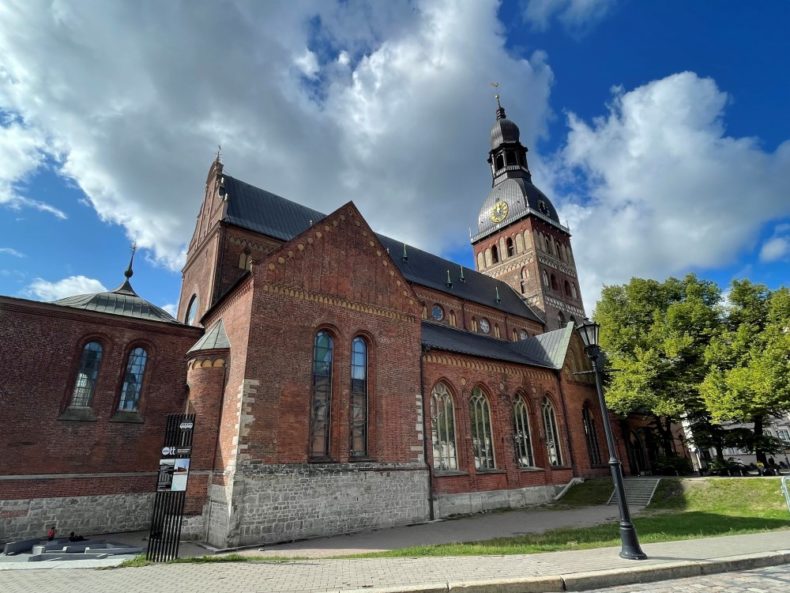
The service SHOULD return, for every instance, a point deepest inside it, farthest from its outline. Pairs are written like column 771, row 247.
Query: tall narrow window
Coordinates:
column 133, row 381
column 591, row 435
column 494, row 254
column 545, row 278
column 359, row 398
column 322, row 394
column 509, row 245
column 443, row 429
column 521, row 434
column 482, row 441
column 192, row 310
column 85, row 384
column 554, row 285
column 552, row 435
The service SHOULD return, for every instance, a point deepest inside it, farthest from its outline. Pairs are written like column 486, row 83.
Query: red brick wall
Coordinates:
column 501, row 382
column 335, row 276
column 42, row 344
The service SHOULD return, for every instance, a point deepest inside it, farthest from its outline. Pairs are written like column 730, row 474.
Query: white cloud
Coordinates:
column 668, row 191
column 777, row 247
column 22, row 151
column 171, row 308
column 45, row 290
column 11, row 251
column 134, row 98
column 576, row 15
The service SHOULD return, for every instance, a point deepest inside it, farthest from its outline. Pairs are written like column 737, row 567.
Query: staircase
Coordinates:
column 638, row 491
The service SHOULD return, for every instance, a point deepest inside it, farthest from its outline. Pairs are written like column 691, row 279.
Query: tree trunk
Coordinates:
column 665, row 434
column 758, row 437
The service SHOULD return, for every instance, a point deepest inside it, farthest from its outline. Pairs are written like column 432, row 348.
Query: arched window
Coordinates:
column 591, row 435
column 500, row 162
column 552, row 435
column 510, row 157
column 481, row 262
column 509, row 244
column 574, row 294
column 496, row 330
column 85, row 384
column 482, row 439
column 521, row 434
column 359, row 398
column 561, row 318
column 192, row 310
column 545, row 278
column 554, row 285
column 567, row 288
column 452, row 318
column 323, row 347
column 245, row 260
column 443, row 429
column 494, row 254
column 515, row 335
column 133, row 381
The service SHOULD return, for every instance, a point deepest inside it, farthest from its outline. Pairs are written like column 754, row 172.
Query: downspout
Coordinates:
column 425, row 412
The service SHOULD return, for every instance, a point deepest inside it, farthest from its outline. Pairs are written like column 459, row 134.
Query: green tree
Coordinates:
column 655, row 335
column 748, row 378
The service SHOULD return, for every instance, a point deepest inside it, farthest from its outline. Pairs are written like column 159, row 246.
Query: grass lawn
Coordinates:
column 681, row 509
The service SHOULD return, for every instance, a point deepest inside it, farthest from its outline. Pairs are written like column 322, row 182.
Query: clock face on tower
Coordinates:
column 499, row 212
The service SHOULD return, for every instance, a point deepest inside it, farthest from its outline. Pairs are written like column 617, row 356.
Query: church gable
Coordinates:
column 341, row 257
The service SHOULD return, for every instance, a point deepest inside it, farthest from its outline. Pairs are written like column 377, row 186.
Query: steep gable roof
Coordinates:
column 258, row 210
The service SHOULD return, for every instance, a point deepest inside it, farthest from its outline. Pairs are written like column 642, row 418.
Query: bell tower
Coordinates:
column 519, row 238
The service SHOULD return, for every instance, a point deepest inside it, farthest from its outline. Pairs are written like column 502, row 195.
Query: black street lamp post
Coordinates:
column 588, row 330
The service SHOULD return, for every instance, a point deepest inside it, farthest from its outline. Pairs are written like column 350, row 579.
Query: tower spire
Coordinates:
column 129, row 271
column 500, row 111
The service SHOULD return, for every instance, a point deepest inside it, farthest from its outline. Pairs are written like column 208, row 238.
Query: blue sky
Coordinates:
column 659, row 129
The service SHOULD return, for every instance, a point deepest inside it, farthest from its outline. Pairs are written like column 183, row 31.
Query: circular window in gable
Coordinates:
column 437, row 313
column 485, row 327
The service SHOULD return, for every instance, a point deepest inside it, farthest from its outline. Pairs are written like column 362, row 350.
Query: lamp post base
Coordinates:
column 630, row 549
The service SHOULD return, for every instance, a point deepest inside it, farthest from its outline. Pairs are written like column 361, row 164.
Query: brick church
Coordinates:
column 341, row 380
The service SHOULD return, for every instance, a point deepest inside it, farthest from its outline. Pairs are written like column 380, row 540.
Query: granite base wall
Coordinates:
column 276, row 503
column 86, row 515
column 446, row 505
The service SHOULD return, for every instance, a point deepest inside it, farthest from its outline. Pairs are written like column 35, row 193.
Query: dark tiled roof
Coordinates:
column 122, row 301
column 215, row 338
column 546, row 350
column 258, row 210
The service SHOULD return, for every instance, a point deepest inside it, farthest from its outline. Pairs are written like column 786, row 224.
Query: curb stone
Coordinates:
column 584, row 581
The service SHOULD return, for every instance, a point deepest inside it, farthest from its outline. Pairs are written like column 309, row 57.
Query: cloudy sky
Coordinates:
column 659, row 129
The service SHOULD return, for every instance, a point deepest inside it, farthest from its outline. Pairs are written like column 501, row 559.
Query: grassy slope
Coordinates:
column 682, row 509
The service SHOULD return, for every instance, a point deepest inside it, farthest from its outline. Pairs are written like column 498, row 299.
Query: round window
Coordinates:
column 437, row 312
column 523, row 335
column 485, row 327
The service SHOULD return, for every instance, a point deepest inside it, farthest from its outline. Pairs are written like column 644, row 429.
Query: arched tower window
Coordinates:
column 133, row 381
column 443, row 429
column 245, row 260
column 500, row 162
column 85, row 384
column 545, row 278
column 192, row 310
column 323, row 349
column 554, row 285
column 482, row 439
column 567, row 288
column 521, row 433
column 481, row 262
column 552, row 434
column 359, row 397
column 574, row 293
column 494, row 254
column 591, row 435
column 510, row 250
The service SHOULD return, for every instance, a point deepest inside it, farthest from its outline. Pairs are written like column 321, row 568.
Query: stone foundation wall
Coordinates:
column 446, row 505
column 275, row 503
column 86, row 515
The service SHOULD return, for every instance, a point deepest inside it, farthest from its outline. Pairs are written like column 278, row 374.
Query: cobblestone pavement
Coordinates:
column 772, row 579
column 396, row 574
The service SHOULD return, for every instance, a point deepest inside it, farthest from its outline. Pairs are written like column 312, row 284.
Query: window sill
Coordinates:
column 78, row 415
column 560, row 467
column 496, row 470
column 361, row 459
column 531, row 468
column 127, row 417
column 449, row 473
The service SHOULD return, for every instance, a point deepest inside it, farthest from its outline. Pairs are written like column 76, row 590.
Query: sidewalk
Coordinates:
column 553, row 571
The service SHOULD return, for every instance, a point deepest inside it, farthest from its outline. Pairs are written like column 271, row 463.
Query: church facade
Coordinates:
column 341, row 380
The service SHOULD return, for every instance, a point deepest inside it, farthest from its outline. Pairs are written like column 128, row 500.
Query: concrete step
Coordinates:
column 638, row 491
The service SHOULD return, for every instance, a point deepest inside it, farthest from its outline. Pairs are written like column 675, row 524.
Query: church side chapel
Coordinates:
column 341, row 380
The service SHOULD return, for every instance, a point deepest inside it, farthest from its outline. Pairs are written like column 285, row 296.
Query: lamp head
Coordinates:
column 588, row 330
